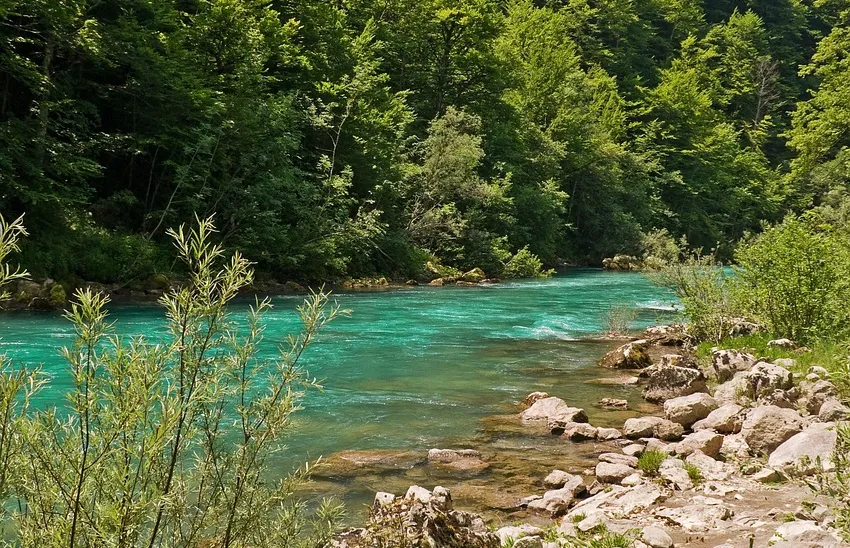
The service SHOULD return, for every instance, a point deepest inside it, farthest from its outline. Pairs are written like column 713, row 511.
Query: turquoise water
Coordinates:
column 413, row 368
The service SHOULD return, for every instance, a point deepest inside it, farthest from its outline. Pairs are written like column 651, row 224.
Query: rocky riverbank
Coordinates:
column 721, row 462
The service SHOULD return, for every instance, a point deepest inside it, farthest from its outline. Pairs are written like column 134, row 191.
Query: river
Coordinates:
column 416, row 368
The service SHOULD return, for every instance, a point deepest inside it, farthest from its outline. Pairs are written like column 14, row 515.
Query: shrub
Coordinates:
column 660, row 248
column 525, row 264
column 619, row 319
column 166, row 443
column 693, row 472
column 704, row 289
column 794, row 279
column 650, row 461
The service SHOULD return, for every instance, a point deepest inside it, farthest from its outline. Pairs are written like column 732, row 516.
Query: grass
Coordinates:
column 650, row 461
column 827, row 354
column 693, row 473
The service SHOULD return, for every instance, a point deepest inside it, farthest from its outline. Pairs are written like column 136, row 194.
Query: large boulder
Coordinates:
column 553, row 409
column 728, row 362
column 726, row 419
column 648, row 427
column 622, row 262
column 805, row 533
column 664, row 382
column 673, row 472
column 686, row 410
column 574, row 431
column 803, row 450
column 557, row 479
column 631, row 355
column 765, row 377
column 475, row 275
column 705, row 441
column 711, row 469
column 768, row 426
column 667, row 335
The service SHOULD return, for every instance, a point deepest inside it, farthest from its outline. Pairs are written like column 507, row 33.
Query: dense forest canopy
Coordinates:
column 360, row 137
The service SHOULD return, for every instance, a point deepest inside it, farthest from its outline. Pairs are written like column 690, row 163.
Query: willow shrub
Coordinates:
column 793, row 278
column 169, row 444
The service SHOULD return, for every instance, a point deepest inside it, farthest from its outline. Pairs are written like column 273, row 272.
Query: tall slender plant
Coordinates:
column 166, row 444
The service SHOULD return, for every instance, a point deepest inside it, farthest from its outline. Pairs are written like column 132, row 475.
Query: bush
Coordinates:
column 660, row 248
column 693, row 472
column 525, row 264
column 793, row 278
column 650, row 461
column 704, row 289
column 619, row 319
column 164, row 443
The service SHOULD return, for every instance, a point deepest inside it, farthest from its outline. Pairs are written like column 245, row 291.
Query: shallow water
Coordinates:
column 420, row 367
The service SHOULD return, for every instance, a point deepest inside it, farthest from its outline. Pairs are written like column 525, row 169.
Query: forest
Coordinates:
column 349, row 138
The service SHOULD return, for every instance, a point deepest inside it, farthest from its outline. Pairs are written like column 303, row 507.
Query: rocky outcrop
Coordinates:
column 686, row 410
column 475, row 275
column 668, row 335
column 631, row 355
column 767, row 427
column 622, row 263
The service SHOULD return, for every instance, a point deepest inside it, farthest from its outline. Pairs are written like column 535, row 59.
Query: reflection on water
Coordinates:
column 424, row 367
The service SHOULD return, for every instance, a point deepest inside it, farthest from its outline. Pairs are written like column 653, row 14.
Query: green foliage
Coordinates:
column 525, row 264
column 694, row 473
column 650, row 461
column 703, row 286
column 164, row 442
column 835, row 487
column 794, row 279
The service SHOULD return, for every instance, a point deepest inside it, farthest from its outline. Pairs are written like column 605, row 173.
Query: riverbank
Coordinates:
column 721, row 463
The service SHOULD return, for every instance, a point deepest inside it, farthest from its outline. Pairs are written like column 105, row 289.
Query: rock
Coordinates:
column 608, row 434
column 833, row 410
column 816, row 393
column 667, row 335
column 711, row 470
column 508, row 535
column 686, row 410
column 726, row 419
column 575, row 431
column 768, row 426
column 669, row 431
column 359, row 463
column 664, row 382
column 673, row 471
column 740, row 327
column 734, row 446
column 764, row 378
column 467, row 460
column 815, row 443
column 696, row 517
column 631, row 355
column 441, row 498
column 767, row 475
column 798, row 532
column 557, row 501
column 619, row 458
column 613, row 403
column 732, row 391
column 607, row 472
column 656, row 537
column 475, row 275
column 640, row 427
column 728, row 362
column 622, row 262
column 530, row 399
column 821, row 372
column 633, row 450
column 557, row 479
column 645, row 427
column 437, row 282
column 707, row 441
column 414, row 492
column 553, row 409
column 619, row 501
column 786, row 344
column 657, row 445
column 634, row 479
column 383, row 499
column 787, row 363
